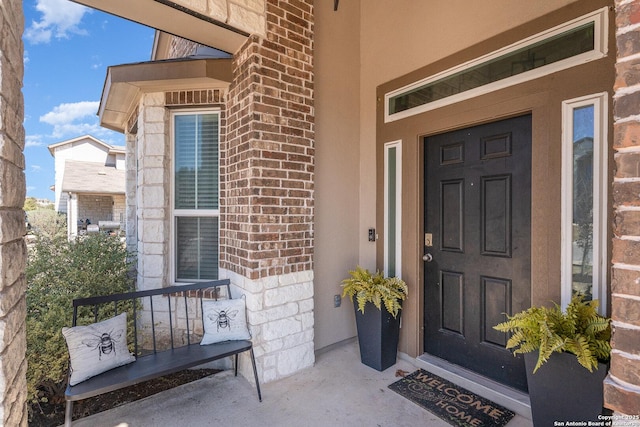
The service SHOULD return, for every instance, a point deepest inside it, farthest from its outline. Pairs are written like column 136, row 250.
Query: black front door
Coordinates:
column 478, row 234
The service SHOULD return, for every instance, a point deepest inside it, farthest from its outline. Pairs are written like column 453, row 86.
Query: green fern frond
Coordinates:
column 597, row 324
column 376, row 289
column 579, row 330
column 580, row 347
column 601, row 349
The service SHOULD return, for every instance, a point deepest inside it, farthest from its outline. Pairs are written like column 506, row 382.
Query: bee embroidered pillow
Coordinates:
column 224, row 320
column 96, row 348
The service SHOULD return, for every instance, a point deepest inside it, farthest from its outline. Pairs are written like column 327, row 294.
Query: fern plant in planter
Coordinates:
column 552, row 341
column 377, row 302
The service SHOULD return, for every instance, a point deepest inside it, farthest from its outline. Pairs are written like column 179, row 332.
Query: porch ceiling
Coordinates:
column 124, row 83
column 174, row 19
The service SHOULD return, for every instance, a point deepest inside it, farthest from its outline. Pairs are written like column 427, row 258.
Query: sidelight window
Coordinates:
column 584, row 198
column 392, row 208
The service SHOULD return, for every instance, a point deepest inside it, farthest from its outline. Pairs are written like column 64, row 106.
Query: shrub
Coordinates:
column 58, row 271
column 47, row 223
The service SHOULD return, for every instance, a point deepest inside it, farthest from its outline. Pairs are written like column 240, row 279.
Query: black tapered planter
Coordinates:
column 378, row 334
column 563, row 390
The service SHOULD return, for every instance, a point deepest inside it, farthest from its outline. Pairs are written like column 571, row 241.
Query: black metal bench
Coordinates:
column 151, row 362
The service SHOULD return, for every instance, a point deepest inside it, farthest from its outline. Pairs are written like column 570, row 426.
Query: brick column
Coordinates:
column 622, row 385
column 267, row 172
column 13, row 364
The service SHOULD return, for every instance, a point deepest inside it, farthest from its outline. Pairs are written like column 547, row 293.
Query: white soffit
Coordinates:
column 174, row 19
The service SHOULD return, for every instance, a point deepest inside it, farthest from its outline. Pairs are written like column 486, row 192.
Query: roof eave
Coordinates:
column 124, row 84
column 173, row 18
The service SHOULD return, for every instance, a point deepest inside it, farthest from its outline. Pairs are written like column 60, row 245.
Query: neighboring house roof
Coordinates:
column 90, row 177
column 112, row 149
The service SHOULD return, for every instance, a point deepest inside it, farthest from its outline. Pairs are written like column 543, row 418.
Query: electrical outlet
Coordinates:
column 337, row 301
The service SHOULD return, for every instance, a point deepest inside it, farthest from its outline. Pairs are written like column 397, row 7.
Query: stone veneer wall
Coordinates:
column 622, row 386
column 149, row 179
column 151, row 158
column 181, row 48
column 131, row 195
column 148, row 191
column 280, row 318
column 13, row 364
column 100, row 208
column 247, row 15
column 267, row 188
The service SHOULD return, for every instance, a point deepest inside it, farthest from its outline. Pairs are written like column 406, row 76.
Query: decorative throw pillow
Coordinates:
column 224, row 320
column 96, row 348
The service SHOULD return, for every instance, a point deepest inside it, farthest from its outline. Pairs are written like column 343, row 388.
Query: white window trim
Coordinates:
column 601, row 30
column 185, row 212
column 600, row 185
column 398, row 214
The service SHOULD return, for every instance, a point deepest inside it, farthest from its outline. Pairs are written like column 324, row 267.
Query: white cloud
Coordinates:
column 73, row 119
column 59, row 19
column 36, row 168
column 33, row 141
column 68, row 112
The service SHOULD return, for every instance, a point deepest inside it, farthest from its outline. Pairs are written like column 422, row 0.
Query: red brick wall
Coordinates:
column 267, row 169
column 622, row 386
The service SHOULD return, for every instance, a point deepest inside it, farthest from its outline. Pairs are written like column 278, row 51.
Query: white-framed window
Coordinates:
column 584, row 197
column 567, row 45
column 393, row 209
column 195, row 187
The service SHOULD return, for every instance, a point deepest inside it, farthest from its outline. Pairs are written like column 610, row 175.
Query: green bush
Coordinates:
column 59, row 271
column 47, row 223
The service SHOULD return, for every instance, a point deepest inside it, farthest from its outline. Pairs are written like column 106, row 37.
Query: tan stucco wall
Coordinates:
column 542, row 97
column 337, row 229
column 393, row 38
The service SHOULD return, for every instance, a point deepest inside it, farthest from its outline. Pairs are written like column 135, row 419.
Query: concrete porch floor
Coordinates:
column 337, row 391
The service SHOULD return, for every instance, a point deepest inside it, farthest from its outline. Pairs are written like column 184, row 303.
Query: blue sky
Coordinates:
column 67, row 51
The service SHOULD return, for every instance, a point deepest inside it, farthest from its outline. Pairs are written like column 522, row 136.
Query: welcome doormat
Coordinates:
column 454, row 404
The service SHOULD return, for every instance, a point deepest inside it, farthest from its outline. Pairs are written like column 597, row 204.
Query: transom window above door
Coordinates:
column 573, row 43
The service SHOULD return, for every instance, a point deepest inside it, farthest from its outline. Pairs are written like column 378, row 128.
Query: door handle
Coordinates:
column 427, row 257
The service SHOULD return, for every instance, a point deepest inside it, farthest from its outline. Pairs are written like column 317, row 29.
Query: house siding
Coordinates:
column 622, row 385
